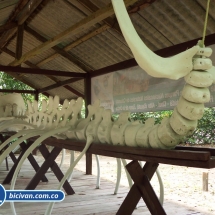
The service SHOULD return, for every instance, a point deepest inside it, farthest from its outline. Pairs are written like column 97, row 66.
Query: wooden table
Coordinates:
column 181, row 156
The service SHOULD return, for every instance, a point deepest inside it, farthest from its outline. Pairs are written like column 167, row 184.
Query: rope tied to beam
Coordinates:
column 202, row 42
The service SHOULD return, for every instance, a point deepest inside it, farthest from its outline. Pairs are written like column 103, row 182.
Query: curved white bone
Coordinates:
column 26, row 154
column 68, row 173
column 173, row 68
column 17, row 142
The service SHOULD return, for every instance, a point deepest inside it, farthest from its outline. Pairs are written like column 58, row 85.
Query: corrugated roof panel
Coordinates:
column 211, row 8
column 5, row 59
column 102, row 50
column 101, row 3
column 198, row 12
column 158, row 20
column 62, row 64
column 29, row 43
column 151, row 37
column 38, row 81
column 55, row 18
column 63, row 94
column 78, row 85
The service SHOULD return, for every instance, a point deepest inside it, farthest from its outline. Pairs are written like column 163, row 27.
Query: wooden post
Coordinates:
column 36, row 96
column 19, row 41
column 87, row 102
column 205, row 181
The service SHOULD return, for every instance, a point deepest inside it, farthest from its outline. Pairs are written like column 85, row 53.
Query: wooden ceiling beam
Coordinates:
column 82, row 25
column 19, row 41
column 76, row 43
column 74, row 91
column 28, row 10
column 112, row 22
column 22, row 12
column 166, row 52
column 59, row 84
column 71, row 89
column 34, row 66
column 18, row 91
column 8, row 26
column 60, row 51
column 140, row 5
column 93, row 8
column 23, row 70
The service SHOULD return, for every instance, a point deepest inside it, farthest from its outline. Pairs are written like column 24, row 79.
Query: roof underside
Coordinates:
column 97, row 44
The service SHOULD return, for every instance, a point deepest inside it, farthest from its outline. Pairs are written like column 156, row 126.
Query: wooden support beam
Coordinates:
column 21, row 13
column 76, row 43
column 74, row 91
column 36, row 67
column 166, row 52
column 140, row 5
column 60, row 51
column 112, row 22
column 17, row 91
column 59, row 84
column 8, row 26
column 87, row 92
column 76, row 28
column 19, row 41
column 28, row 10
column 141, row 188
column 13, row 69
column 108, row 21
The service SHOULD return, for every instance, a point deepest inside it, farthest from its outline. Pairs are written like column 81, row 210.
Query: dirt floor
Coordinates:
column 181, row 184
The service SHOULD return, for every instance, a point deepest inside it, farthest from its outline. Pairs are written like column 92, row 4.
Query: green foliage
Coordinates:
column 204, row 134
column 10, row 83
column 157, row 115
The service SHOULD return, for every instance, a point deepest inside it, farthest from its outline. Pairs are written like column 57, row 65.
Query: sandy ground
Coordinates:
column 181, row 184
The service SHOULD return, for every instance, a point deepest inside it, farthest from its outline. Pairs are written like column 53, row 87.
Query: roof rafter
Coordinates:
column 8, row 26
column 18, row 77
column 59, row 84
column 166, row 52
column 93, row 8
column 60, row 51
column 76, row 28
column 22, row 12
column 76, row 43
column 23, row 70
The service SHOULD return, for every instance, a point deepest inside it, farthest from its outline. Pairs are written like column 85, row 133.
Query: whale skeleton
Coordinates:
column 192, row 64
column 98, row 126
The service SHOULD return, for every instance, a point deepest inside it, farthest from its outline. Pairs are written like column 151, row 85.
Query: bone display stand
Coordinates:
column 64, row 123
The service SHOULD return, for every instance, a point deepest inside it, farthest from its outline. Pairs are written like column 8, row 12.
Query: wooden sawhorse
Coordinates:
column 141, row 188
column 40, row 170
column 180, row 156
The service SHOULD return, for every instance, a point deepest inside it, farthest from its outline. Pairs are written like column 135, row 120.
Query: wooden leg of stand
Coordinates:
column 49, row 163
column 13, row 157
column 56, row 170
column 11, row 172
column 88, row 163
column 6, row 161
column 141, row 188
column 33, row 162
